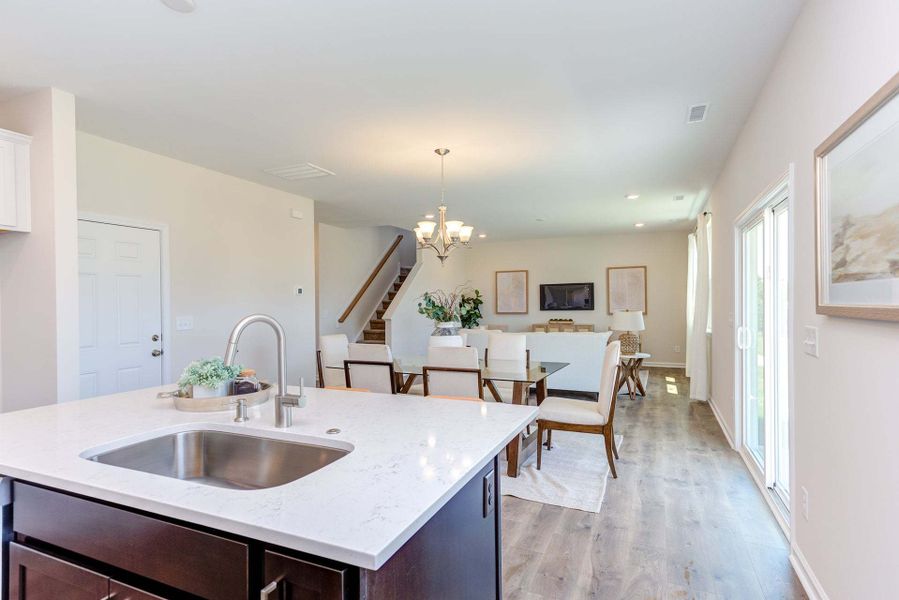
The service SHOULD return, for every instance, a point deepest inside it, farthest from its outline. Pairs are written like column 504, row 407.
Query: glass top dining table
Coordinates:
column 408, row 369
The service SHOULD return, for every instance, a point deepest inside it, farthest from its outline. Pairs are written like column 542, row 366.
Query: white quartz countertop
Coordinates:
column 410, row 456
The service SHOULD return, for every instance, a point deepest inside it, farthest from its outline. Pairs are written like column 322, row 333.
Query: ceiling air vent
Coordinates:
column 679, row 197
column 300, row 171
column 697, row 113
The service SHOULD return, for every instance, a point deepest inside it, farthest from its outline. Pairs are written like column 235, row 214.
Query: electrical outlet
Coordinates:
column 677, row 349
column 804, row 503
column 298, row 291
column 184, row 323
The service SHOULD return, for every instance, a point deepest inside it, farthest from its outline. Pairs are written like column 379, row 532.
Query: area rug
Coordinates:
column 573, row 473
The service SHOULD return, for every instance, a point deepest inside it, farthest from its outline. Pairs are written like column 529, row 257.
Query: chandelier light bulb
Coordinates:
column 465, row 233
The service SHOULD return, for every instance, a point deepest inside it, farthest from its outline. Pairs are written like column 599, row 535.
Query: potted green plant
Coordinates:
column 470, row 308
column 443, row 308
column 208, row 378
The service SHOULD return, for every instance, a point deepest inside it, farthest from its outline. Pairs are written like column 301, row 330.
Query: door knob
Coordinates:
column 156, row 352
column 155, row 337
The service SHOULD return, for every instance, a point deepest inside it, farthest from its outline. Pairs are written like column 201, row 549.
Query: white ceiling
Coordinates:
column 553, row 110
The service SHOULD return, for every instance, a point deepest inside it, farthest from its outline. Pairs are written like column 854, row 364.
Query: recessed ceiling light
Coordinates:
column 182, row 6
column 429, row 216
column 482, row 235
column 632, row 196
column 639, row 224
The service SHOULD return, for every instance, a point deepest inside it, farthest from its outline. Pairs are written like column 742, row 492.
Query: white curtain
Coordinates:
column 698, row 317
column 691, row 294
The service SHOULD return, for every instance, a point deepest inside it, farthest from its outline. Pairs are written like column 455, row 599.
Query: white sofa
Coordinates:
column 584, row 351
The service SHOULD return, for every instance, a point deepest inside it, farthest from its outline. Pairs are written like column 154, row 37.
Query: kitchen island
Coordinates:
column 410, row 509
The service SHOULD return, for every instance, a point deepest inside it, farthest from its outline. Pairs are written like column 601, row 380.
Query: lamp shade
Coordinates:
column 628, row 320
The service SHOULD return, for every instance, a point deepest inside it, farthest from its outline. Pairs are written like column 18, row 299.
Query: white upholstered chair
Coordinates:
column 370, row 367
column 333, row 350
column 507, row 351
column 446, row 341
column 585, row 416
column 453, row 372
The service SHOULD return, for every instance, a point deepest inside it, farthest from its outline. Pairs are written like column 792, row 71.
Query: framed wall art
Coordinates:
column 626, row 289
column 511, row 292
column 857, row 212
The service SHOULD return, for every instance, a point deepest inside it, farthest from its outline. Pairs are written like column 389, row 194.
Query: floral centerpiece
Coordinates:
column 451, row 310
column 208, row 377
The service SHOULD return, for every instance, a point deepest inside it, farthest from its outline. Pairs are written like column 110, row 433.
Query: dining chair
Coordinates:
column 508, row 350
column 333, row 350
column 370, row 366
column 585, row 416
column 454, row 373
column 446, row 341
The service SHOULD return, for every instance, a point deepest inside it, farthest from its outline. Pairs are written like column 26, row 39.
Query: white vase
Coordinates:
column 201, row 391
column 447, row 328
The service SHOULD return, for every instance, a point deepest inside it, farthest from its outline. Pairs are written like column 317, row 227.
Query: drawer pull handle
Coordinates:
column 268, row 591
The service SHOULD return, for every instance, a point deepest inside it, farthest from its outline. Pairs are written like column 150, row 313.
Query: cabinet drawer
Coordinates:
column 194, row 561
column 297, row 579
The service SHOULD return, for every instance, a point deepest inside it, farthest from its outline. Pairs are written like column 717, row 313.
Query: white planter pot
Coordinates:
column 447, row 328
column 200, row 391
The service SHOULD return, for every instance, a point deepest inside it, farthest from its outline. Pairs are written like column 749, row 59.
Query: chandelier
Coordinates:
column 442, row 236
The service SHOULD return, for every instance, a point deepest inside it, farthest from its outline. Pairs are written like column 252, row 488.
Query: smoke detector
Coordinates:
column 697, row 113
column 299, row 171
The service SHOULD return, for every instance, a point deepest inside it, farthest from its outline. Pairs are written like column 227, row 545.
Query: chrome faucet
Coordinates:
column 283, row 401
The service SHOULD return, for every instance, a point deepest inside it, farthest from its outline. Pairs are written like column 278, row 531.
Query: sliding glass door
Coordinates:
column 763, row 341
column 753, row 338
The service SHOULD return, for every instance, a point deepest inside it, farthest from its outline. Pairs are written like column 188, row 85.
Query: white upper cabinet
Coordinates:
column 15, row 181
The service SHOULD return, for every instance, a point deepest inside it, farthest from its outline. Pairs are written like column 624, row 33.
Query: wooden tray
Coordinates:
column 218, row 403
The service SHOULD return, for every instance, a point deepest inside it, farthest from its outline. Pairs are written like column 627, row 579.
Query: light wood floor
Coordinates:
column 683, row 520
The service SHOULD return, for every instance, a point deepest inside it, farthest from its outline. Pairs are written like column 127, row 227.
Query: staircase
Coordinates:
column 376, row 332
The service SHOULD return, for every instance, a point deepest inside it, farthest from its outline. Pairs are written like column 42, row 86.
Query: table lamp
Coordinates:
column 628, row 321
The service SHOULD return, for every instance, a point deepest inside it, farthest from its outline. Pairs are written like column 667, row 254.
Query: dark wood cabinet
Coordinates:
column 34, row 575
column 290, row 578
column 64, row 546
column 120, row 591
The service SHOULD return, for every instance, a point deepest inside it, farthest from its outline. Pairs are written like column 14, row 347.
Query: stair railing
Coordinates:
column 371, row 278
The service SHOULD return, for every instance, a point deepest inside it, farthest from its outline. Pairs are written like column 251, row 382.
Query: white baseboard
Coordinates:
column 724, row 429
column 806, row 576
column 665, row 365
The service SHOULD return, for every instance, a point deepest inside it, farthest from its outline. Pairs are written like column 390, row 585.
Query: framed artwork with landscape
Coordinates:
column 857, row 212
column 511, row 292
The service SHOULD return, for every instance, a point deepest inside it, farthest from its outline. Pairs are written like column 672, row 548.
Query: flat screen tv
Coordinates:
column 566, row 296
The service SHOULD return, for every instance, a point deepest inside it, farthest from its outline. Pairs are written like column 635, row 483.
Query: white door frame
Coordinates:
column 783, row 185
column 164, row 276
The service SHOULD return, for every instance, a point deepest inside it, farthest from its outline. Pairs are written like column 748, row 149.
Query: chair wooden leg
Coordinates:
column 609, row 446
column 614, row 443
column 540, row 443
column 549, row 439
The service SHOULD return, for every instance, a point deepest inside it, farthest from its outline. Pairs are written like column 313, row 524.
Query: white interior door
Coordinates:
column 120, row 306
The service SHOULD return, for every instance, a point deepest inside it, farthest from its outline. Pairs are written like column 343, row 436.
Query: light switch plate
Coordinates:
column 184, row 323
column 810, row 341
column 297, row 290
column 296, row 213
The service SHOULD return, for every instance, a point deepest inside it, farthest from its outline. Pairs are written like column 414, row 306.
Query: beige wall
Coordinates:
column 584, row 259
column 845, row 401
column 408, row 331
column 38, row 272
column 345, row 259
column 234, row 250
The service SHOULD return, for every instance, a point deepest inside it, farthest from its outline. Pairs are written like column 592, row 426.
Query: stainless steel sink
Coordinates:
column 222, row 459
